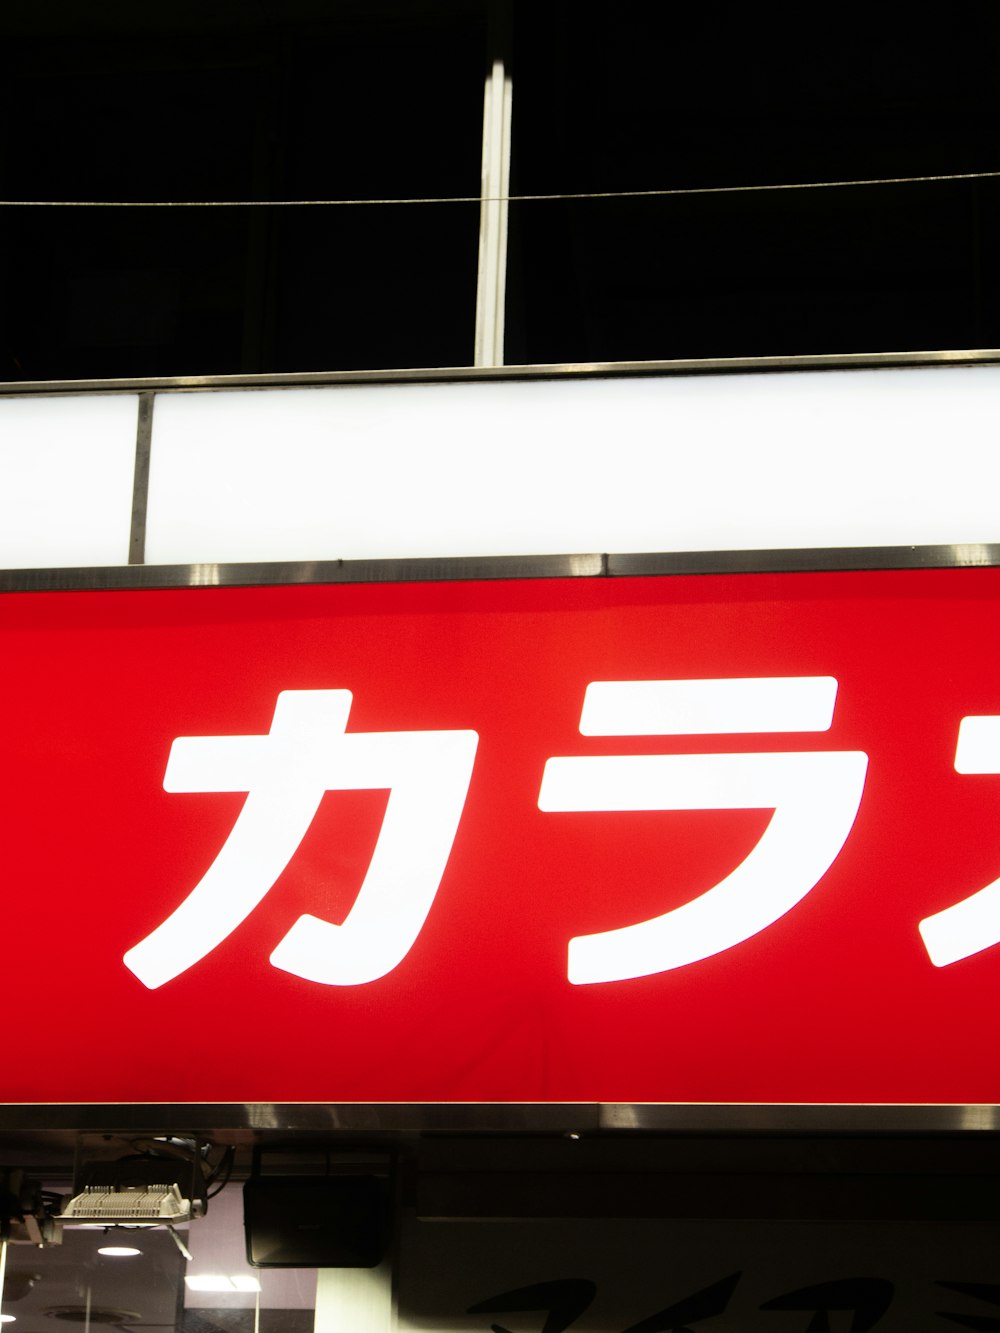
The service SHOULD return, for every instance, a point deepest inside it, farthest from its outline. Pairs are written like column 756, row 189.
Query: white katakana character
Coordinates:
column 814, row 794
column 285, row 774
column 973, row 924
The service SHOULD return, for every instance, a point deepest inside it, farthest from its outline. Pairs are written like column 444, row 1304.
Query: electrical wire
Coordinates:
column 500, row 198
column 225, row 1163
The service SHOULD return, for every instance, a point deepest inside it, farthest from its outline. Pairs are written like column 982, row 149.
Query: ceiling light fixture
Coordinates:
column 140, row 1189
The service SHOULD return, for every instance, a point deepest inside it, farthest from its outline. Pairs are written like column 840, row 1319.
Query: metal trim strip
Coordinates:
column 118, row 577
column 806, row 560
column 556, row 370
column 467, row 568
column 528, row 1118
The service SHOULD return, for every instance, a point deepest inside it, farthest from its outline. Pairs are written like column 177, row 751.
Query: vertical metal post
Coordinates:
column 492, row 280
column 140, row 480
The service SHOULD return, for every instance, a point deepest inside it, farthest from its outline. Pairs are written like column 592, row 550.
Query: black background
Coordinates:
column 313, row 100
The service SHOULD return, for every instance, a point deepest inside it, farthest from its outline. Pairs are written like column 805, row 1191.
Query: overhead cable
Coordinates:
column 496, row 199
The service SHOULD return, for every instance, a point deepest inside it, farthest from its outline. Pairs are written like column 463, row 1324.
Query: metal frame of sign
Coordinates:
column 455, row 569
column 398, row 1118
column 567, row 370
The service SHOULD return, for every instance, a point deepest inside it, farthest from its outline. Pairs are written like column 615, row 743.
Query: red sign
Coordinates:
column 685, row 839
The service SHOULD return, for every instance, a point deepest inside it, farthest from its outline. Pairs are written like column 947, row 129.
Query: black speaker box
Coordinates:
column 316, row 1221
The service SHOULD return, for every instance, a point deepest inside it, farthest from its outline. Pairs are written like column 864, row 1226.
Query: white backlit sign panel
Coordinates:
column 664, row 463
column 66, row 467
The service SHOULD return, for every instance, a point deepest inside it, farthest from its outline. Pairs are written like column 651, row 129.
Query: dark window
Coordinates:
column 708, row 96
column 313, row 100
column 226, row 108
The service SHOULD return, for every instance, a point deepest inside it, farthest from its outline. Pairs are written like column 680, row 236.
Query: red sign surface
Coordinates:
column 685, row 839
